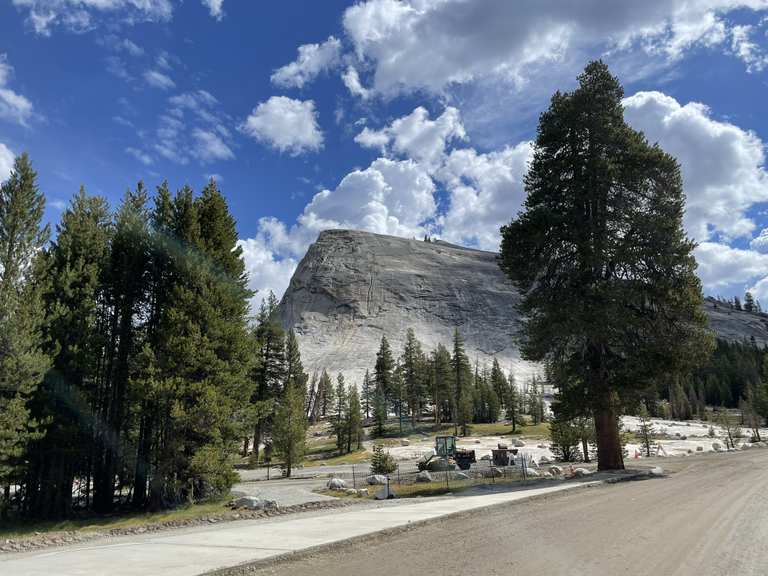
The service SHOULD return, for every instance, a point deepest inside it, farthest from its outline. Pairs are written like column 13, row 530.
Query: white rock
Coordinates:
column 405, row 442
column 362, row 492
column 254, row 503
column 581, row 472
column 532, row 473
column 385, row 493
column 423, row 477
column 717, row 447
column 518, row 443
column 376, row 480
column 351, row 491
column 555, row 470
column 657, row 471
column 336, row 484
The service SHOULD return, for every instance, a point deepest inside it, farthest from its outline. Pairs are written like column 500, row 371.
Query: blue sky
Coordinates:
column 399, row 117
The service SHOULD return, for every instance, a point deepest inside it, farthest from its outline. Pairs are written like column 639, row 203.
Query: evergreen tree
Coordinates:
column 290, row 429
column 462, row 380
column 368, row 393
column 749, row 302
column 67, row 398
column 380, row 410
column 22, row 359
column 443, row 397
column 499, row 382
column 269, row 367
column 326, row 394
column 599, row 255
column 512, row 402
column 340, row 413
column 383, row 373
column 645, row 429
column 382, row 462
column 205, row 356
column 126, row 297
column 294, row 370
column 354, row 420
column 413, row 373
column 565, row 437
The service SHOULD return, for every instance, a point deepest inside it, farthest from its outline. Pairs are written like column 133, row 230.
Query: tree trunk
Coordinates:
column 609, row 456
column 585, row 449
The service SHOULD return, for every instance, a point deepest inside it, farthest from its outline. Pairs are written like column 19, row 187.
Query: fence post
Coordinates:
column 398, row 474
column 354, row 480
column 492, row 468
column 268, row 467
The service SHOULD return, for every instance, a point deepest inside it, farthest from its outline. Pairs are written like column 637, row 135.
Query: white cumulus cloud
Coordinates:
column 416, row 136
column 286, row 124
column 313, row 59
column 431, row 44
column 722, row 164
column 157, row 79
column 215, row 7
column 6, row 161
column 13, row 106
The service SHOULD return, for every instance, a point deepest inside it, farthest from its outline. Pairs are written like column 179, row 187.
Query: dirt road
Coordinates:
column 710, row 517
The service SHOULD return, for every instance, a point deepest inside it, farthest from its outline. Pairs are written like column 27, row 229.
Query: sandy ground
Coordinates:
column 708, row 518
column 696, row 434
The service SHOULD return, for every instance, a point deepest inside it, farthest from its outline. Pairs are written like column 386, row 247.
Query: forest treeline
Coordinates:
column 129, row 371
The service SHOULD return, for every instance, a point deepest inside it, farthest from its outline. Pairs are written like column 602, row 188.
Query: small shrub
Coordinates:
column 382, row 462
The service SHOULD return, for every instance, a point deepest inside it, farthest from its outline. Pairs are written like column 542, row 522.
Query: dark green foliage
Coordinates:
column 339, row 422
column 414, row 374
column 152, row 362
column 442, row 384
column 367, row 394
column 23, row 362
column 381, row 461
column 599, row 255
column 462, row 384
column 290, row 429
column 383, row 373
column 354, row 424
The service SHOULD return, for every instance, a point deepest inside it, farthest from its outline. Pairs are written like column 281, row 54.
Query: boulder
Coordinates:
column 531, row 473
column 405, row 442
column 581, row 472
column 376, row 480
column 699, row 448
column 254, row 503
column 717, row 447
column 386, row 493
column 423, row 477
column 518, row 443
column 362, row 492
column 336, row 484
column 657, row 471
column 440, row 465
column 350, row 491
column 555, row 471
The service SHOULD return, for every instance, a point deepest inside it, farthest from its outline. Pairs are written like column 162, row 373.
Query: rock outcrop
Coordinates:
column 353, row 287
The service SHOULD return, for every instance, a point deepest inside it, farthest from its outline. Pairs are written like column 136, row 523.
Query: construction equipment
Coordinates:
column 449, row 456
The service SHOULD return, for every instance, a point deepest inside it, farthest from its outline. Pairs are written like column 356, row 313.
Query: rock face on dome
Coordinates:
column 353, row 287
